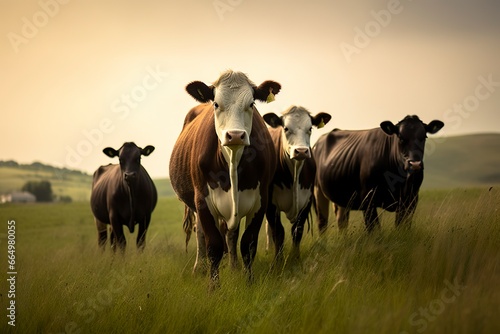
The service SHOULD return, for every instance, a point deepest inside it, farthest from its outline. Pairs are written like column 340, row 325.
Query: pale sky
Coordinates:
column 81, row 75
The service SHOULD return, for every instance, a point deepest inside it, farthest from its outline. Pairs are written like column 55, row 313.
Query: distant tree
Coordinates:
column 9, row 163
column 41, row 189
column 65, row 199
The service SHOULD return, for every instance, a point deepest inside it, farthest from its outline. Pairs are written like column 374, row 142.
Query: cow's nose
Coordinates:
column 415, row 165
column 300, row 153
column 130, row 176
column 235, row 137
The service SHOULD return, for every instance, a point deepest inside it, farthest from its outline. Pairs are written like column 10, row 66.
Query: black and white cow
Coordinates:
column 293, row 181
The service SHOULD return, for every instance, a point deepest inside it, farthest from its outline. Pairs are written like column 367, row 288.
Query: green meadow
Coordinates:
column 441, row 276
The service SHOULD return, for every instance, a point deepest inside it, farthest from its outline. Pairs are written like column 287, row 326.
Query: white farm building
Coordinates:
column 18, row 197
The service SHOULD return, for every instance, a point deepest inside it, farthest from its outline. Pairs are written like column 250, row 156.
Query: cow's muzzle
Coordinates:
column 414, row 166
column 130, row 177
column 300, row 152
column 235, row 137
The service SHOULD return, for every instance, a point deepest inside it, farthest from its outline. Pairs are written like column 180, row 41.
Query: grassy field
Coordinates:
column 442, row 276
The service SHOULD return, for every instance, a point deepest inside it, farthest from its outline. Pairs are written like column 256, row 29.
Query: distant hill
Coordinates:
column 462, row 161
column 65, row 182
column 450, row 162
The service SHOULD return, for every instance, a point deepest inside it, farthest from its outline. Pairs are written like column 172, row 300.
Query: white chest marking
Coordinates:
column 285, row 201
column 220, row 204
column 292, row 201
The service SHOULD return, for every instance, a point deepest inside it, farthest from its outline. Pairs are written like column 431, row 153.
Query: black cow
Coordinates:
column 363, row 170
column 123, row 194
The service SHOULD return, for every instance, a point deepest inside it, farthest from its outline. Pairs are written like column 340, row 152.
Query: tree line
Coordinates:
column 42, row 190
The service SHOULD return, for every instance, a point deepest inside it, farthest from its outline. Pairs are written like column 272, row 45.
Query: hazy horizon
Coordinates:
column 81, row 76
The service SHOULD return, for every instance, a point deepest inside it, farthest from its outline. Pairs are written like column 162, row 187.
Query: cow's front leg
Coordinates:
column 102, row 233
column 298, row 230
column 371, row 218
column 117, row 236
column 277, row 232
column 342, row 217
column 141, row 235
column 405, row 212
column 232, row 240
column 249, row 242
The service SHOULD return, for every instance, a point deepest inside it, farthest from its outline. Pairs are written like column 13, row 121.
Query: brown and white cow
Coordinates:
column 293, row 181
column 123, row 194
column 363, row 170
column 222, row 164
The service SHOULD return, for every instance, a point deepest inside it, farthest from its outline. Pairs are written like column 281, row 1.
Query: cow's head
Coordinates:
column 233, row 97
column 296, row 124
column 411, row 132
column 130, row 159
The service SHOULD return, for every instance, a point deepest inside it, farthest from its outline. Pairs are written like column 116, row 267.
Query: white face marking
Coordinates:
column 297, row 126
column 234, row 107
column 233, row 110
column 220, row 204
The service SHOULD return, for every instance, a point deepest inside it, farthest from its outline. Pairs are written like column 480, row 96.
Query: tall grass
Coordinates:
column 440, row 276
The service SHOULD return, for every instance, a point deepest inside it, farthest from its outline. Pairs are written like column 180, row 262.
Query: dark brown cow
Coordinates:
column 363, row 170
column 123, row 194
column 293, row 181
column 222, row 164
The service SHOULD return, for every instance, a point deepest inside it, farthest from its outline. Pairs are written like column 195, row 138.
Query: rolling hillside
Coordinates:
column 462, row 161
column 64, row 182
column 450, row 162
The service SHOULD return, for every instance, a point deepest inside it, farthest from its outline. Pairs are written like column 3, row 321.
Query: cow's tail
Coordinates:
column 188, row 223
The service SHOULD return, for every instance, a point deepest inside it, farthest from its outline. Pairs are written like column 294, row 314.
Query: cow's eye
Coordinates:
column 252, row 104
column 286, row 129
column 216, row 105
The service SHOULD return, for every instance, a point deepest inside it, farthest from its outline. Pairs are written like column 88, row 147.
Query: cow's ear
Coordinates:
column 434, row 126
column 147, row 150
column 111, row 152
column 266, row 91
column 273, row 120
column 321, row 119
column 201, row 92
column 389, row 128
